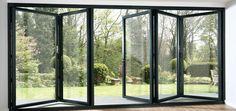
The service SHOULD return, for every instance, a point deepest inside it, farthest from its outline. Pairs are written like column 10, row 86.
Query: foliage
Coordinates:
column 28, row 80
column 108, row 38
column 66, row 62
column 25, row 47
column 35, row 50
column 146, row 73
column 101, row 72
column 166, row 77
column 75, row 76
column 173, row 64
column 134, row 66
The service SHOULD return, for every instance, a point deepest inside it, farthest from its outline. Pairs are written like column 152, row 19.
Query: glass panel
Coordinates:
column 108, row 35
column 200, row 55
column 138, row 56
column 35, row 48
column 186, row 12
column 53, row 10
column 167, row 54
column 75, row 57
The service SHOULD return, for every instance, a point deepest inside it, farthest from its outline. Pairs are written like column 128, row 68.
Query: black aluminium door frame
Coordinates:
column 179, row 90
column 220, row 43
column 12, row 40
column 60, row 42
column 59, row 52
column 124, row 18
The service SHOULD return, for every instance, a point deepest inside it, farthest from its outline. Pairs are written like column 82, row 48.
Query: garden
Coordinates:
column 36, row 54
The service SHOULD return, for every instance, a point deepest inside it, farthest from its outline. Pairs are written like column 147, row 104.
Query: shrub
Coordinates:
column 28, row 80
column 101, row 72
column 173, row 65
column 75, row 76
column 133, row 65
column 146, row 73
column 166, row 77
column 66, row 62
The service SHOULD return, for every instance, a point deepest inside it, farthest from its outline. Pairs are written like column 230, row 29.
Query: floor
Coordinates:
column 114, row 101
column 219, row 107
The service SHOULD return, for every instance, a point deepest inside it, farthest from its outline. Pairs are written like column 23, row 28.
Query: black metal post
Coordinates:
column 59, row 54
column 180, row 64
column 13, row 79
column 153, row 56
column 156, row 55
column 11, row 58
column 124, row 58
column 90, row 57
column 221, row 54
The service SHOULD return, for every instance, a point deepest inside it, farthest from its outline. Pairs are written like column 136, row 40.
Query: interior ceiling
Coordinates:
column 203, row 3
column 222, row 1
column 194, row 1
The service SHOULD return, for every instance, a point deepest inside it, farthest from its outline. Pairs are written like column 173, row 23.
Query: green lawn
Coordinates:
column 135, row 90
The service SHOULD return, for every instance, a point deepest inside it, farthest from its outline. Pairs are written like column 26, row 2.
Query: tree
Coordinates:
column 25, row 52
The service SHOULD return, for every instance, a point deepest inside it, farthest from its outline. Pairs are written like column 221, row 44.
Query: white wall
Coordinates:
column 231, row 54
column 3, row 56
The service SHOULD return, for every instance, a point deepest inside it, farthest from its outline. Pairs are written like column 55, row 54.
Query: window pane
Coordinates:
column 186, row 12
column 167, row 47
column 138, row 56
column 75, row 57
column 35, row 48
column 201, row 55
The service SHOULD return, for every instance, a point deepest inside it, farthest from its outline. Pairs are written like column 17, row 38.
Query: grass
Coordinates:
column 134, row 90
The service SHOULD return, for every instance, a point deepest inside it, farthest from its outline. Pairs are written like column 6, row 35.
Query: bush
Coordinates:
column 133, row 65
column 66, row 62
column 75, row 76
column 35, row 80
column 166, row 77
column 101, row 72
column 146, row 73
column 173, row 65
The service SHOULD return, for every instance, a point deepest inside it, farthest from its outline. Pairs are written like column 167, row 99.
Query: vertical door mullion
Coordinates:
column 221, row 67
column 12, row 75
column 59, row 59
column 153, row 57
column 180, row 65
column 155, row 54
column 124, row 58
column 90, row 59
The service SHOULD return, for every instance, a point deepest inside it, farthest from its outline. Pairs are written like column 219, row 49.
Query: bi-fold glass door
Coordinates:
column 166, row 55
column 44, row 70
column 74, row 28
column 35, row 44
column 136, row 56
column 186, row 55
column 167, row 52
